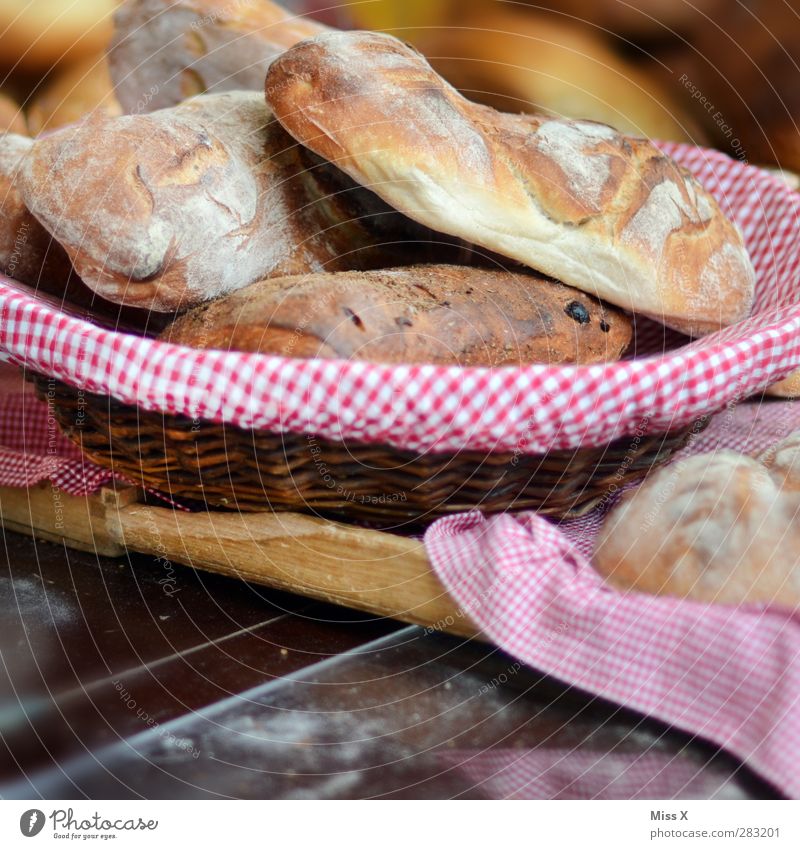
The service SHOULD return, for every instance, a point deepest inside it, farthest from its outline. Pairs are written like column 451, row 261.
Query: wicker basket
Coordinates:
column 229, row 467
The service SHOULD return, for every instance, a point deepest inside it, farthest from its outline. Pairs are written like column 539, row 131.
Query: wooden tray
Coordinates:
column 378, row 572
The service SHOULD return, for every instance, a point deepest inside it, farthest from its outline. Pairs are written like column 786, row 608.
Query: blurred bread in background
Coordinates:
column 164, row 51
column 521, row 60
column 741, row 75
column 637, row 18
column 35, row 35
column 12, row 119
column 72, row 94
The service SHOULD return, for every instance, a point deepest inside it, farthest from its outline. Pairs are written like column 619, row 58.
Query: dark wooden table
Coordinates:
column 119, row 681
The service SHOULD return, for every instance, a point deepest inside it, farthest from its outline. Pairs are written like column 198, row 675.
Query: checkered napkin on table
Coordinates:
column 728, row 675
column 32, row 448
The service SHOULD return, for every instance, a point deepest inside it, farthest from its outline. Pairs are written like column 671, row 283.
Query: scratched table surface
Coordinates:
column 126, row 678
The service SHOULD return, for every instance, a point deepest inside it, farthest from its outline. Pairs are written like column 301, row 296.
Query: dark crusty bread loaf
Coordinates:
column 441, row 314
column 166, row 210
column 164, row 51
column 30, row 255
column 573, row 199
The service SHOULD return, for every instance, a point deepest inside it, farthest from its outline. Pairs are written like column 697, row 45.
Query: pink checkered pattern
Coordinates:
column 420, row 407
column 32, row 448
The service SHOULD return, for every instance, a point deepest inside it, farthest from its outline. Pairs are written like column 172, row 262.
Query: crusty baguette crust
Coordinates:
column 576, row 200
column 166, row 210
column 441, row 314
column 164, row 51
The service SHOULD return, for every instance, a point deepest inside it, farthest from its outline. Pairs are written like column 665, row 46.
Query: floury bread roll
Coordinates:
column 575, row 200
column 28, row 253
column 789, row 387
column 445, row 314
column 783, row 462
column 164, row 51
column 166, row 210
column 713, row 527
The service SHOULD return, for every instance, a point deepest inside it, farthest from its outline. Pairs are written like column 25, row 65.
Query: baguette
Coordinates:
column 445, row 314
column 167, row 210
column 163, row 51
column 575, row 200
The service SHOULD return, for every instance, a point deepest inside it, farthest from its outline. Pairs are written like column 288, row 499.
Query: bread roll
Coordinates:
column 12, row 118
column 37, row 34
column 74, row 93
column 783, row 462
column 27, row 251
column 713, row 527
column 165, row 51
column 166, row 210
column 521, row 60
column 573, row 199
column 442, row 314
column 789, row 387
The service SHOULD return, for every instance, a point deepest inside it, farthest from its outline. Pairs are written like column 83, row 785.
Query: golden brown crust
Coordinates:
column 12, row 118
column 165, row 51
column 74, row 93
column 420, row 314
column 574, row 199
column 166, row 210
column 712, row 527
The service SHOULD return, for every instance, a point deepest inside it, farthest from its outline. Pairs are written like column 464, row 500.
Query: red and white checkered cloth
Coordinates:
column 33, row 449
column 731, row 676
column 728, row 675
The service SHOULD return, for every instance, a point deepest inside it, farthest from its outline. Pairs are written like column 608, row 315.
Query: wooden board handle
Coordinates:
column 377, row 572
